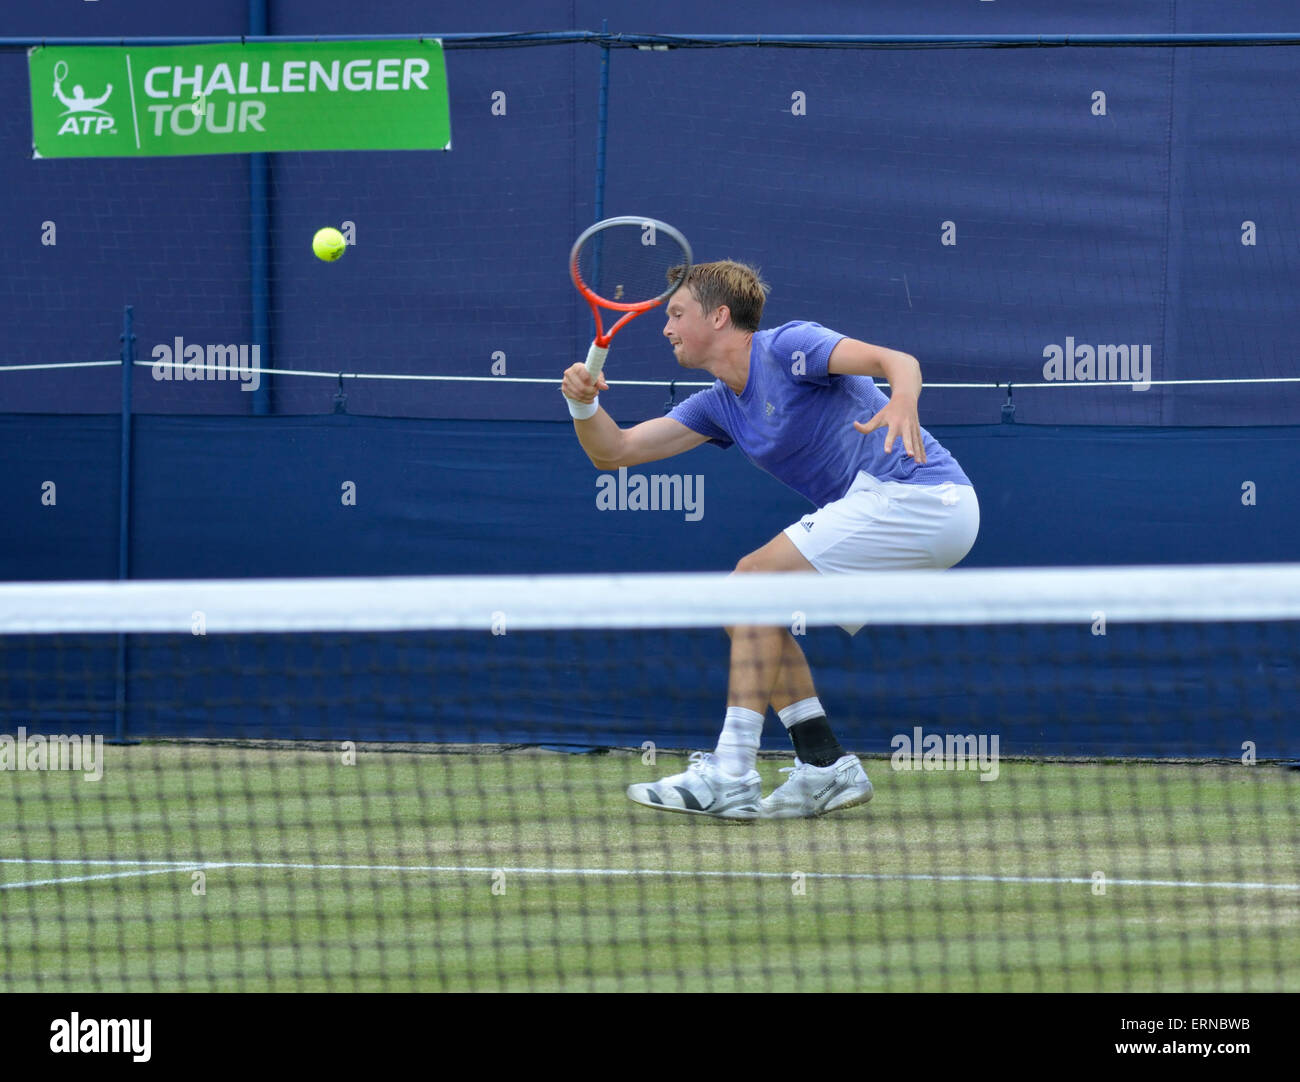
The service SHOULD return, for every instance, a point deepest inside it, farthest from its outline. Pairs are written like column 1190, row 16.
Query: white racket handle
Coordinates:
column 596, row 358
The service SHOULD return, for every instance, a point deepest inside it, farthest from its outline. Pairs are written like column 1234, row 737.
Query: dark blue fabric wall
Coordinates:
column 1139, row 690
column 1122, row 228
column 252, row 497
column 236, row 497
column 1117, row 229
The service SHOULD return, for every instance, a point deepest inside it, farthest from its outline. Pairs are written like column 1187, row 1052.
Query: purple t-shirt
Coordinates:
column 795, row 420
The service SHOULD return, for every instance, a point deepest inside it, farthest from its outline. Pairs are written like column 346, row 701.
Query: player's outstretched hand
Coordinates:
column 902, row 421
column 580, row 385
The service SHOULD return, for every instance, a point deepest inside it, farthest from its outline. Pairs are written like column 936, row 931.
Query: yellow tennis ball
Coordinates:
column 328, row 244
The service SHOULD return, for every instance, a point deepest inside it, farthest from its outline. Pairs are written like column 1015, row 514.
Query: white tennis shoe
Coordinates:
column 815, row 790
column 702, row 789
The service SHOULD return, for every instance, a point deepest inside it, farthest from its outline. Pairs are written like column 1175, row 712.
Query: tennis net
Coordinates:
column 1082, row 782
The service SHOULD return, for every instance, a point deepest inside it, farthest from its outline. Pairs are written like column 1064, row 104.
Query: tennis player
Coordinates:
column 801, row 402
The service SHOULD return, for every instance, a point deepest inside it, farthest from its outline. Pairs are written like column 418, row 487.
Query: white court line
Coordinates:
column 668, row 873
column 111, row 863
column 139, row 868
column 102, row 875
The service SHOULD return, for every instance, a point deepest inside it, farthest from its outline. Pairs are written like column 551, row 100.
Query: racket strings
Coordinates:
column 631, row 263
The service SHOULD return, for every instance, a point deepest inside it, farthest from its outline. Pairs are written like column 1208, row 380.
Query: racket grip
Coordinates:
column 596, row 358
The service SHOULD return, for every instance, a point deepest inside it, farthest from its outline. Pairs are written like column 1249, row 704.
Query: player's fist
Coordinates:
column 580, row 385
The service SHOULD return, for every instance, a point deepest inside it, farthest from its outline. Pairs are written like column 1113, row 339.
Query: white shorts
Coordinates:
column 886, row 525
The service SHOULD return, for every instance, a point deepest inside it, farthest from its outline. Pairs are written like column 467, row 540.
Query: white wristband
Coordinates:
column 582, row 410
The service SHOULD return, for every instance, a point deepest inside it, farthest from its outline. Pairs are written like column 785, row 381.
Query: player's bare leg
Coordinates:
column 794, row 680
column 726, row 784
column 768, row 666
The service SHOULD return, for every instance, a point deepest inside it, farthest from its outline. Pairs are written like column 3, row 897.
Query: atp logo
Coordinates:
column 84, row 115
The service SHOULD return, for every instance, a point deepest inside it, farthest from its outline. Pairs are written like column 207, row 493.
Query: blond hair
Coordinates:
column 737, row 285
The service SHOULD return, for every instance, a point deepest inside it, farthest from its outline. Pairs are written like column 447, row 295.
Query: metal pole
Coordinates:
column 602, row 126
column 259, row 247
column 124, row 515
column 602, row 118
column 259, row 258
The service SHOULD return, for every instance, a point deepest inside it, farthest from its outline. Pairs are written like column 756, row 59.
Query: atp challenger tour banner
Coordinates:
column 109, row 102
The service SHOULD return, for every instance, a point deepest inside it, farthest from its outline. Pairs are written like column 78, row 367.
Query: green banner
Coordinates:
column 112, row 102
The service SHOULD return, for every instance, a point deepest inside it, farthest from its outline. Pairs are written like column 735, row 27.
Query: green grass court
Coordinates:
column 384, row 876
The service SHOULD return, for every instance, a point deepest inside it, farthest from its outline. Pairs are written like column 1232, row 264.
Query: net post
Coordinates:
column 124, row 516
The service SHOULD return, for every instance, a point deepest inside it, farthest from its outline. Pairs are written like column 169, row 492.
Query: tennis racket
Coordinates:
column 627, row 265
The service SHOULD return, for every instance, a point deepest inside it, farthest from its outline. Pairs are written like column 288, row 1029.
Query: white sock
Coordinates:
column 801, row 711
column 737, row 749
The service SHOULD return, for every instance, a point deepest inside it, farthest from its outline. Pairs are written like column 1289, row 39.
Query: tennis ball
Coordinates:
column 328, row 244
